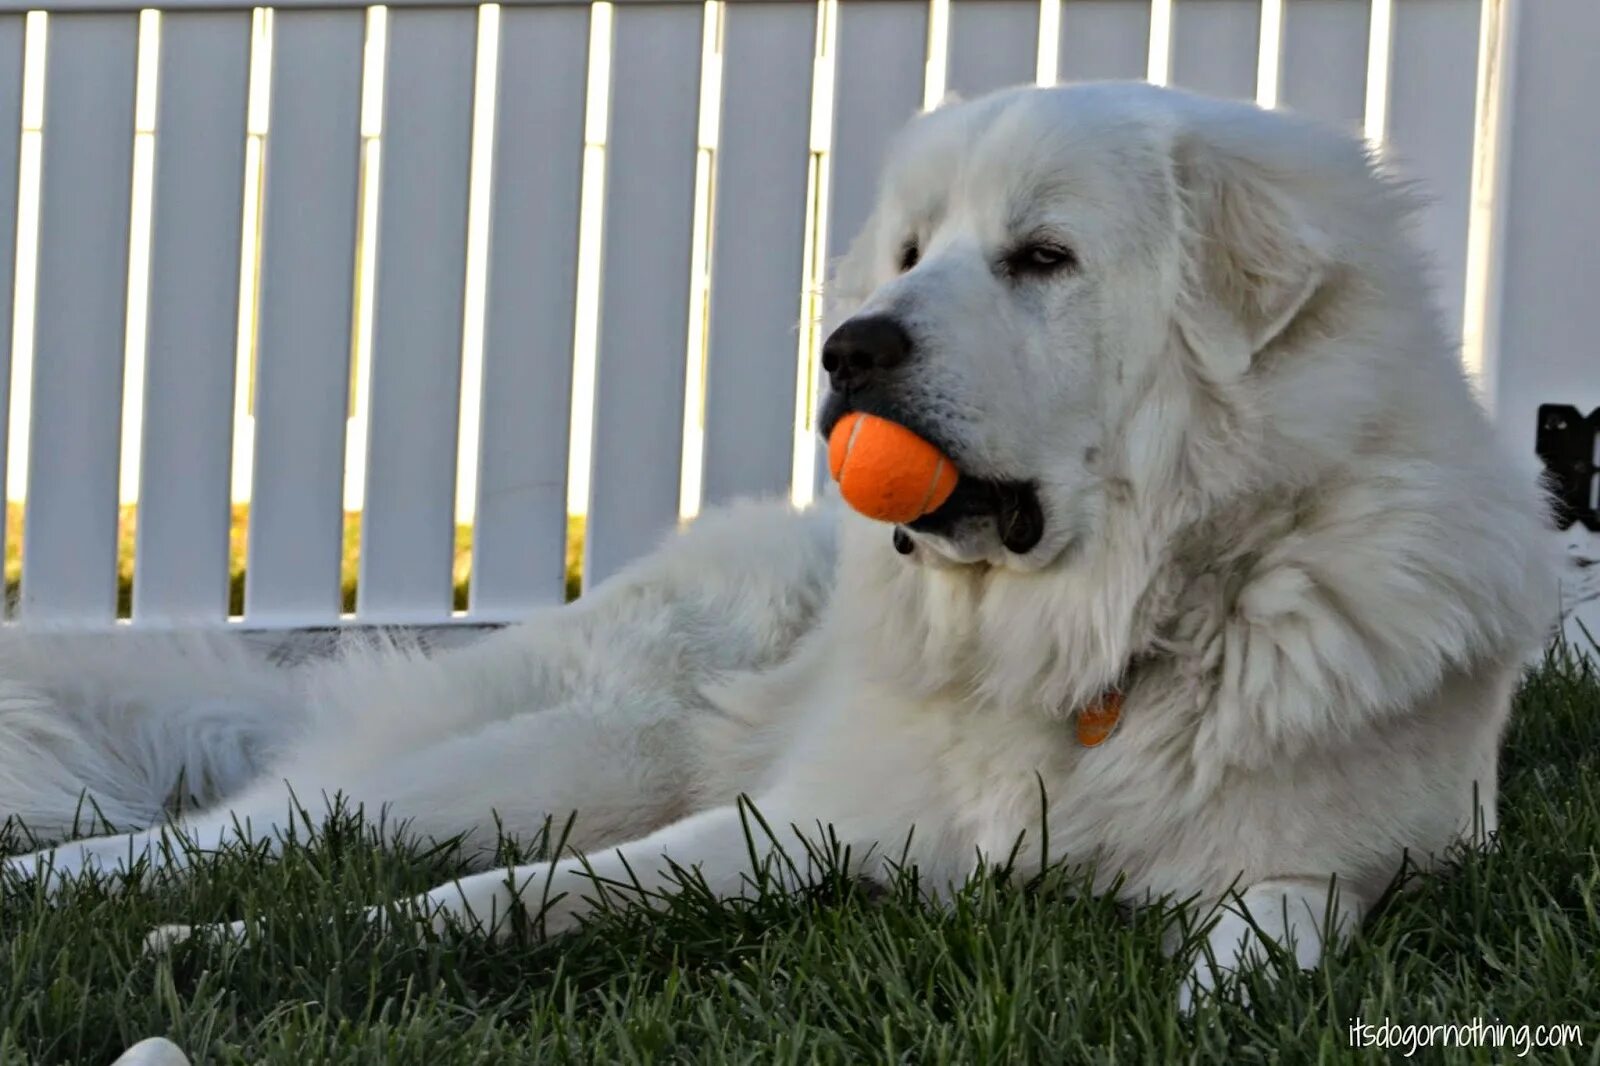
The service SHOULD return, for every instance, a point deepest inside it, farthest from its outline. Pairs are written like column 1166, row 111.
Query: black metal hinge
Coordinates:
column 1565, row 443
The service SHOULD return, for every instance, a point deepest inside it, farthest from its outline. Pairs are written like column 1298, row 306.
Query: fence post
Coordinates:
column 1541, row 346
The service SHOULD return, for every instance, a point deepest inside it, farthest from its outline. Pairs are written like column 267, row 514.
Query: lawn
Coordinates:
column 1014, row 972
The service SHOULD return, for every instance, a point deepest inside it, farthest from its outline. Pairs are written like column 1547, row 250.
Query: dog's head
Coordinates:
column 1055, row 281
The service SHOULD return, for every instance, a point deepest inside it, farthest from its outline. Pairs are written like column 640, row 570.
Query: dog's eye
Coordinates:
column 1039, row 259
column 909, row 255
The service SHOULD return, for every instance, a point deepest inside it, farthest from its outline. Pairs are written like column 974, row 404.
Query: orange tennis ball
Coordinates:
column 887, row 472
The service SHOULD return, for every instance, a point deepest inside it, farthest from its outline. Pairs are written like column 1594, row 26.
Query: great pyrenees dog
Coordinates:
column 1223, row 488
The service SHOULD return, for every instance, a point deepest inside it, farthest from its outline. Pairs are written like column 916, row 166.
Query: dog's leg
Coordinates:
column 623, row 771
column 724, row 848
column 619, row 771
column 583, row 708
column 163, row 848
column 118, row 722
column 1306, row 917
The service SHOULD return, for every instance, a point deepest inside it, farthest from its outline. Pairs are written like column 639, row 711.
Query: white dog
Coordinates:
column 1219, row 468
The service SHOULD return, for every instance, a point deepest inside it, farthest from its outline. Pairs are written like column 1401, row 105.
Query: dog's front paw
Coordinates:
column 1204, row 980
column 164, row 938
column 156, row 1051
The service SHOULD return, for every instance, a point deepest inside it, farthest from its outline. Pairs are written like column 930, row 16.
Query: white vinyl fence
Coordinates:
column 507, row 264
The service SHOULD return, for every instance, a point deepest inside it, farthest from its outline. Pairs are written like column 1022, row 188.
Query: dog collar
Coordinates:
column 1097, row 719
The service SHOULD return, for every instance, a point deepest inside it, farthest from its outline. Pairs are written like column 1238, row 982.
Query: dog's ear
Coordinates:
column 1251, row 256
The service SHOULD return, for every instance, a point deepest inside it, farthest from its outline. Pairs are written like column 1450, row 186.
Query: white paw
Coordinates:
column 163, row 938
column 156, row 1051
column 1203, row 981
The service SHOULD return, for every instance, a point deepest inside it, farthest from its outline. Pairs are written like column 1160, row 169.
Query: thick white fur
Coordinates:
column 1272, row 509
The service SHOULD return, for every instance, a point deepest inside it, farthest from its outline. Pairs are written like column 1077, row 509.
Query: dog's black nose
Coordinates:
column 862, row 347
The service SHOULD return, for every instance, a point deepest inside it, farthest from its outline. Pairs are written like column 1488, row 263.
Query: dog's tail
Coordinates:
column 112, row 732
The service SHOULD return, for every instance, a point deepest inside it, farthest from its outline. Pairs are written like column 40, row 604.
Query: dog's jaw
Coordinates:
column 975, row 541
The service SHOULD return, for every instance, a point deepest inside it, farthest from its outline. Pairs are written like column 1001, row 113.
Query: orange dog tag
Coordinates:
column 1097, row 720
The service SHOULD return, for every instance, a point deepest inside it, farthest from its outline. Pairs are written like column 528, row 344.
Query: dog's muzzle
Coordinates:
column 1013, row 504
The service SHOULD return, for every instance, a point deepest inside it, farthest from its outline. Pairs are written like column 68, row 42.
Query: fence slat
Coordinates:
column 90, row 6
column 1214, row 45
column 408, row 523
column 303, row 331
column 1544, row 350
column 993, row 44
column 762, row 160
column 1431, row 107
column 882, row 50
column 520, row 531
column 881, row 53
column 12, row 32
column 69, row 559
column 1323, row 61
column 644, row 298
column 1104, row 39
column 185, row 456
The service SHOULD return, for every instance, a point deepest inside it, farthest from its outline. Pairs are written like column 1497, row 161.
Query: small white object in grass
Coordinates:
column 164, row 937
column 155, row 1051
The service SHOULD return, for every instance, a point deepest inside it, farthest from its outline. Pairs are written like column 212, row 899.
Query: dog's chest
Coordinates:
column 1121, row 802
column 1011, row 777
column 964, row 780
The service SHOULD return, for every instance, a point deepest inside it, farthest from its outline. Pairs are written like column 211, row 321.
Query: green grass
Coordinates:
column 1014, row 972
